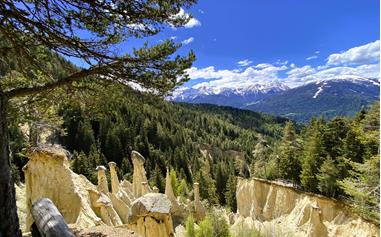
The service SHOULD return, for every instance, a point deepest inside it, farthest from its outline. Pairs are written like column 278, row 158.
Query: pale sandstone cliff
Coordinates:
column 279, row 210
column 48, row 175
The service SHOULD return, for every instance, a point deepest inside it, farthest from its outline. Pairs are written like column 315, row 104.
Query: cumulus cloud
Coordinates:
column 244, row 63
column 264, row 74
column 306, row 74
column 187, row 41
column 290, row 74
column 364, row 54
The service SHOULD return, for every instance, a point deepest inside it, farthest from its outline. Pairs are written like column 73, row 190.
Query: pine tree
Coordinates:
column 157, row 179
column 221, row 179
column 207, row 183
column 312, row 156
column 230, row 193
column 84, row 137
column 328, row 174
column 353, row 148
column 289, row 165
column 114, row 149
column 259, row 165
column 363, row 187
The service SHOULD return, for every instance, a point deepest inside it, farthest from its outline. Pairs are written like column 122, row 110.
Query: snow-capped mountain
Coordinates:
column 236, row 97
column 330, row 97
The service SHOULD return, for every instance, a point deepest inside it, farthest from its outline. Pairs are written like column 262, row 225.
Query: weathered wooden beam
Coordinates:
column 49, row 221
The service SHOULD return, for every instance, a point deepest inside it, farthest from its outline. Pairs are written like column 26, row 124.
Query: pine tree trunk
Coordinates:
column 9, row 222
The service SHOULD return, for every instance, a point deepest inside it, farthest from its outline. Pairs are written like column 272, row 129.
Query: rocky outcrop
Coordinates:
column 276, row 208
column 139, row 179
column 114, row 178
column 150, row 216
column 47, row 175
column 85, row 205
column 102, row 179
column 199, row 210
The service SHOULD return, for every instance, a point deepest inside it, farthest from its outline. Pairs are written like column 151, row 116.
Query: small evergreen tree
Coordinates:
column 189, row 227
column 207, row 183
column 327, row 178
column 363, row 187
column 230, row 193
column 289, row 165
column 312, row 156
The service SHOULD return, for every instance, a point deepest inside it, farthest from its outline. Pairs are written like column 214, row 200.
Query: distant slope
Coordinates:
column 259, row 122
column 330, row 98
column 167, row 134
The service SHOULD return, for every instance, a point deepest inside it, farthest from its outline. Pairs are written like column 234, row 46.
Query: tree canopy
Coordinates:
column 91, row 31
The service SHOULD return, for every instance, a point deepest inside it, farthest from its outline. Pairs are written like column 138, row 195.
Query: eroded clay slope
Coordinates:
column 280, row 210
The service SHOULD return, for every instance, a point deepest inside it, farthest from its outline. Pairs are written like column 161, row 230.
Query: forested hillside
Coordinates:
column 167, row 135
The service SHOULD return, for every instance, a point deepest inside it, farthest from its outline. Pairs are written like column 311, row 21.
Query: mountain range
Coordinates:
column 330, row 97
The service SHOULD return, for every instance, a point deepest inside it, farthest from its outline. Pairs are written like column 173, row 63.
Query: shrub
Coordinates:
column 189, row 227
column 245, row 231
column 205, row 228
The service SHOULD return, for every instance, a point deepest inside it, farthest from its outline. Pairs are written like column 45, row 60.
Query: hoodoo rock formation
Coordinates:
column 128, row 205
column 150, row 215
column 48, row 175
column 139, row 179
column 277, row 209
column 199, row 210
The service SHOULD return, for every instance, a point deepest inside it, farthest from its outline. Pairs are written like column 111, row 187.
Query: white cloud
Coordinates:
column 364, row 54
column 306, row 74
column 312, row 57
column 187, row 41
column 290, row 74
column 244, row 63
column 193, row 22
column 298, row 75
column 317, row 52
column 173, row 37
column 264, row 74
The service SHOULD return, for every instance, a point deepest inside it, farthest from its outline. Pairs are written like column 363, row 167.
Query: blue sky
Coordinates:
column 271, row 32
column 290, row 41
column 268, row 30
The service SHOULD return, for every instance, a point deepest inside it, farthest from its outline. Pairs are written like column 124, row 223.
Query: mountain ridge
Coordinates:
column 329, row 97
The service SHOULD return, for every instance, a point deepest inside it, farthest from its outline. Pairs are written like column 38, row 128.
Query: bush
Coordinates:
column 221, row 227
column 214, row 225
column 189, row 227
column 245, row 231
column 205, row 228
